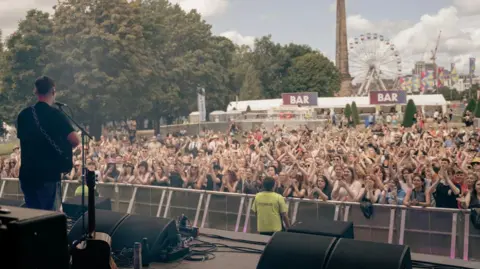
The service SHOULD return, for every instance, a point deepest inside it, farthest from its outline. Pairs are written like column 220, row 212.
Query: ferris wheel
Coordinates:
column 374, row 60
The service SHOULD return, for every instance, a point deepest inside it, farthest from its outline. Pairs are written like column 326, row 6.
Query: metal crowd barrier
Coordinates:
column 435, row 231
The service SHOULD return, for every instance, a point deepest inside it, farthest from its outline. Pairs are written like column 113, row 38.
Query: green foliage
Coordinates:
column 355, row 115
column 410, row 111
column 472, row 104
column 117, row 59
column 347, row 111
column 24, row 59
column 251, row 87
column 313, row 72
column 477, row 110
column 450, row 94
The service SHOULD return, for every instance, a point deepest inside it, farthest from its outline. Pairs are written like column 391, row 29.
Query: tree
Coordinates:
column 450, row 94
column 410, row 111
column 199, row 61
column 22, row 62
column 477, row 110
column 313, row 72
column 104, row 63
column 355, row 116
column 472, row 104
column 271, row 61
column 348, row 111
column 251, row 88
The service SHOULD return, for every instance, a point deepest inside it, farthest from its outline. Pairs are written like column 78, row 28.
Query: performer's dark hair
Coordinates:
column 44, row 85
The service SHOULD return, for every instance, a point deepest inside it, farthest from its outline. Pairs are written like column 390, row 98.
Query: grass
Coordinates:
column 7, row 148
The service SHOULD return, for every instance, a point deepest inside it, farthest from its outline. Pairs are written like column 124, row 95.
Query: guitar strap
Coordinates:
column 45, row 134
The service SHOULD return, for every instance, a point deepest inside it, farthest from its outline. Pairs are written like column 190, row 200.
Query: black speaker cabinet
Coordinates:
column 33, row 239
column 72, row 207
column 350, row 253
column 296, row 250
column 325, row 227
column 126, row 229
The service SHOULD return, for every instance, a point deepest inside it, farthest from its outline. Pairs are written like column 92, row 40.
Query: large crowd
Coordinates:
column 417, row 166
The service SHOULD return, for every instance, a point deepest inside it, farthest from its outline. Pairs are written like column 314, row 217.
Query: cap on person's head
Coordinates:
column 268, row 183
column 476, row 160
column 44, row 85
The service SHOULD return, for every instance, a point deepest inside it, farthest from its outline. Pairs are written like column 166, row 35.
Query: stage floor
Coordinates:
column 249, row 261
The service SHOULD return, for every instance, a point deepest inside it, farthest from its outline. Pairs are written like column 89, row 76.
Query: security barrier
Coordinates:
column 436, row 231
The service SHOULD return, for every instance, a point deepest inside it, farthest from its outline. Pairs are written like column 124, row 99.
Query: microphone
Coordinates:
column 60, row 104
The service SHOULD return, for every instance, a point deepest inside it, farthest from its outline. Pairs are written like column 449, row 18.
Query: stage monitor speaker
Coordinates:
column 126, row 229
column 325, row 227
column 17, row 203
column 296, row 250
column 349, row 253
column 33, row 239
column 106, row 221
column 72, row 207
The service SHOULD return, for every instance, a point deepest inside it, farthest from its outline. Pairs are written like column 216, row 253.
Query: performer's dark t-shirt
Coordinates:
column 37, row 154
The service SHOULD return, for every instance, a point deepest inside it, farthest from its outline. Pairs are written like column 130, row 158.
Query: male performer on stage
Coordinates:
column 39, row 173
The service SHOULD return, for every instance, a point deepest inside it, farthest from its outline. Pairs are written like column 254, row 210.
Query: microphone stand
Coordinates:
column 83, row 134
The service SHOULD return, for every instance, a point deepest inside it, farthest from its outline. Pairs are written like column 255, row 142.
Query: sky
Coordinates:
column 412, row 25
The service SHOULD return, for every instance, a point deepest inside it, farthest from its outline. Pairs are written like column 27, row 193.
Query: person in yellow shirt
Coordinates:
column 271, row 209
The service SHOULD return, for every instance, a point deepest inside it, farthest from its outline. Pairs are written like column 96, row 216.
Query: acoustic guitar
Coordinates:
column 95, row 250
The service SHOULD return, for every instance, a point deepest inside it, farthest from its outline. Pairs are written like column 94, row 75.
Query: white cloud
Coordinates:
column 357, row 23
column 460, row 37
column 238, row 38
column 469, row 7
column 12, row 11
column 205, row 7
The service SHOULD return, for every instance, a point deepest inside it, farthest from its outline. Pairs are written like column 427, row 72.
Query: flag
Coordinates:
column 416, row 83
column 423, row 81
column 202, row 112
column 453, row 74
column 430, row 80
column 472, row 66
column 401, row 83
column 441, row 77
column 408, row 84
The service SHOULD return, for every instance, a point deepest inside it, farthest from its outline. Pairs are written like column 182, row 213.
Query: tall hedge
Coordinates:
column 356, row 117
column 471, row 106
column 410, row 111
column 348, row 111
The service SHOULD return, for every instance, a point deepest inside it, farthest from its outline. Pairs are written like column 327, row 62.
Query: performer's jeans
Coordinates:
column 41, row 195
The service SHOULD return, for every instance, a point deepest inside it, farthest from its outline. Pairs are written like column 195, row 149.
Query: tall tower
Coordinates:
column 341, row 59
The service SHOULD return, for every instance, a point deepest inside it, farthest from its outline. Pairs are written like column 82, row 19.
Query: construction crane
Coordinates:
column 434, row 61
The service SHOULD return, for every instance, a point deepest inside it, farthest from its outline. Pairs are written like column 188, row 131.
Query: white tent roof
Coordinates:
column 255, row 105
column 217, row 112
column 335, row 102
